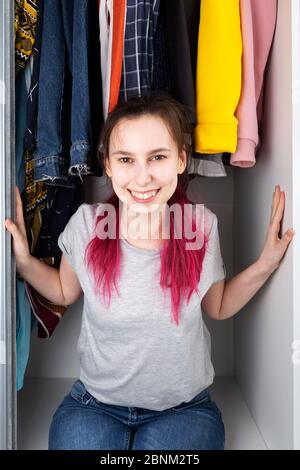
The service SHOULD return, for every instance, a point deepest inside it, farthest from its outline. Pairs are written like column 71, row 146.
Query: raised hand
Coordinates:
column 275, row 247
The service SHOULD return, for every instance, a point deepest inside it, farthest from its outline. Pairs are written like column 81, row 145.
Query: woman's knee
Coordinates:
column 198, row 426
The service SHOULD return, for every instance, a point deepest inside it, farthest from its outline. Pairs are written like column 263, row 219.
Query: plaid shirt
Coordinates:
column 137, row 67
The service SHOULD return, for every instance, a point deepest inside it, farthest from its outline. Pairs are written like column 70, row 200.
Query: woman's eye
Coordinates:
column 123, row 158
column 160, row 157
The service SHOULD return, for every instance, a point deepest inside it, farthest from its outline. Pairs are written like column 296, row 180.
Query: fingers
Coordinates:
column 13, row 229
column 276, row 198
column 19, row 212
column 287, row 237
column 279, row 204
column 18, row 228
column 7, row 224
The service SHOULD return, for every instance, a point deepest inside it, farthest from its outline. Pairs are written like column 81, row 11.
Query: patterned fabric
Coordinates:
column 140, row 26
column 35, row 201
column 25, row 25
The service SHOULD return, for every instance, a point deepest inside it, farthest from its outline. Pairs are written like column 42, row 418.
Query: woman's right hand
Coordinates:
column 18, row 232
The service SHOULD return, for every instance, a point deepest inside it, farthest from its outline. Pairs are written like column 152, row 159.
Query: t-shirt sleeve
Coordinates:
column 213, row 266
column 66, row 239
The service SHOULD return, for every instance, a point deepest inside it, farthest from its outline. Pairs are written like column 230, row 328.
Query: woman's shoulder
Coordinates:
column 89, row 210
column 85, row 216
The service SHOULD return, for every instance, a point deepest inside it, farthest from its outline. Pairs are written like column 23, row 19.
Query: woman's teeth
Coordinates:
column 144, row 195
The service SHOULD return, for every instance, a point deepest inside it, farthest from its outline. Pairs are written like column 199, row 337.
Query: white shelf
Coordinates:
column 39, row 398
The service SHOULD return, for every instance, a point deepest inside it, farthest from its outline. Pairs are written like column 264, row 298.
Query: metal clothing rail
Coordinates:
column 8, row 407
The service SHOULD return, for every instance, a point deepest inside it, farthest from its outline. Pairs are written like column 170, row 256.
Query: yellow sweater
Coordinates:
column 218, row 81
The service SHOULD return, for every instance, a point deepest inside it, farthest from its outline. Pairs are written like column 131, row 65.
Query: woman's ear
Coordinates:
column 182, row 161
column 107, row 167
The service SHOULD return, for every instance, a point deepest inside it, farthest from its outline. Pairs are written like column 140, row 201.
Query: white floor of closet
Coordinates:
column 39, row 398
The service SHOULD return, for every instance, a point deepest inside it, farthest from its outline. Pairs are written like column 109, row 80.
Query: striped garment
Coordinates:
column 25, row 26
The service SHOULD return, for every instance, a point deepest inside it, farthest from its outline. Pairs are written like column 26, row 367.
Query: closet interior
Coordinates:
column 257, row 383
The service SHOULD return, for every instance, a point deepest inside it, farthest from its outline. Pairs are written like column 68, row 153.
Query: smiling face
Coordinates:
column 144, row 162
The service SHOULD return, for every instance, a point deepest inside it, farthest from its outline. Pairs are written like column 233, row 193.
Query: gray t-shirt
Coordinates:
column 132, row 354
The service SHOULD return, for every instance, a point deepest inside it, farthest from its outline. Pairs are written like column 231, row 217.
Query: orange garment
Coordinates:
column 119, row 11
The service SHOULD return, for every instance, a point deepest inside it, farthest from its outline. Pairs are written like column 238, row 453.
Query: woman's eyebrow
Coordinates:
column 124, row 152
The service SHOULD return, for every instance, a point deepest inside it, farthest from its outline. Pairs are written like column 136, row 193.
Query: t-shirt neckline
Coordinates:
column 145, row 251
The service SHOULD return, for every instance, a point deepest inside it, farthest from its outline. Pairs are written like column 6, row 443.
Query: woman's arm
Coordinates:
column 59, row 287
column 225, row 298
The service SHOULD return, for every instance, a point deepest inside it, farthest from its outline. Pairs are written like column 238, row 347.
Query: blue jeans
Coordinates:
column 82, row 422
column 65, row 41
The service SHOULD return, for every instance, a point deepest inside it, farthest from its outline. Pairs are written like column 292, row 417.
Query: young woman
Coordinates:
column 144, row 348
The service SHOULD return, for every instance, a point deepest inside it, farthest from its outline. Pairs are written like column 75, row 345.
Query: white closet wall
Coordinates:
column 265, row 330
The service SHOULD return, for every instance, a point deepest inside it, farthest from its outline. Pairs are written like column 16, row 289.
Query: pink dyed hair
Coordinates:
column 180, row 268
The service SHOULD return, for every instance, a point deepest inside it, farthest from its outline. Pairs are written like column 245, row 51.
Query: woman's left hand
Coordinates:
column 275, row 247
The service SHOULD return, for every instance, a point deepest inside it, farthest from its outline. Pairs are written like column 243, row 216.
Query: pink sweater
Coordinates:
column 258, row 19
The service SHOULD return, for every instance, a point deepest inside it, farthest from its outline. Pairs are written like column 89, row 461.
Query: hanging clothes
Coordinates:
column 111, row 26
column 182, row 25
column 23, row 310
column 179, row 82
column 62, row 201
column 137, row 69
column 106, row 25
column 218, row 82
column 25, row 320
column 95, row 86
column 26, row 87
column 119, row 12
column 43, row 215
column 207, row 165
column 25, row 27
column 258, row 20
column 35, row 194
column 65, row 41
column 161, row 68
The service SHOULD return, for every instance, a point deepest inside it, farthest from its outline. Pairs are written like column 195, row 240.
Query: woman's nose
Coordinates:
column 142, row 175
